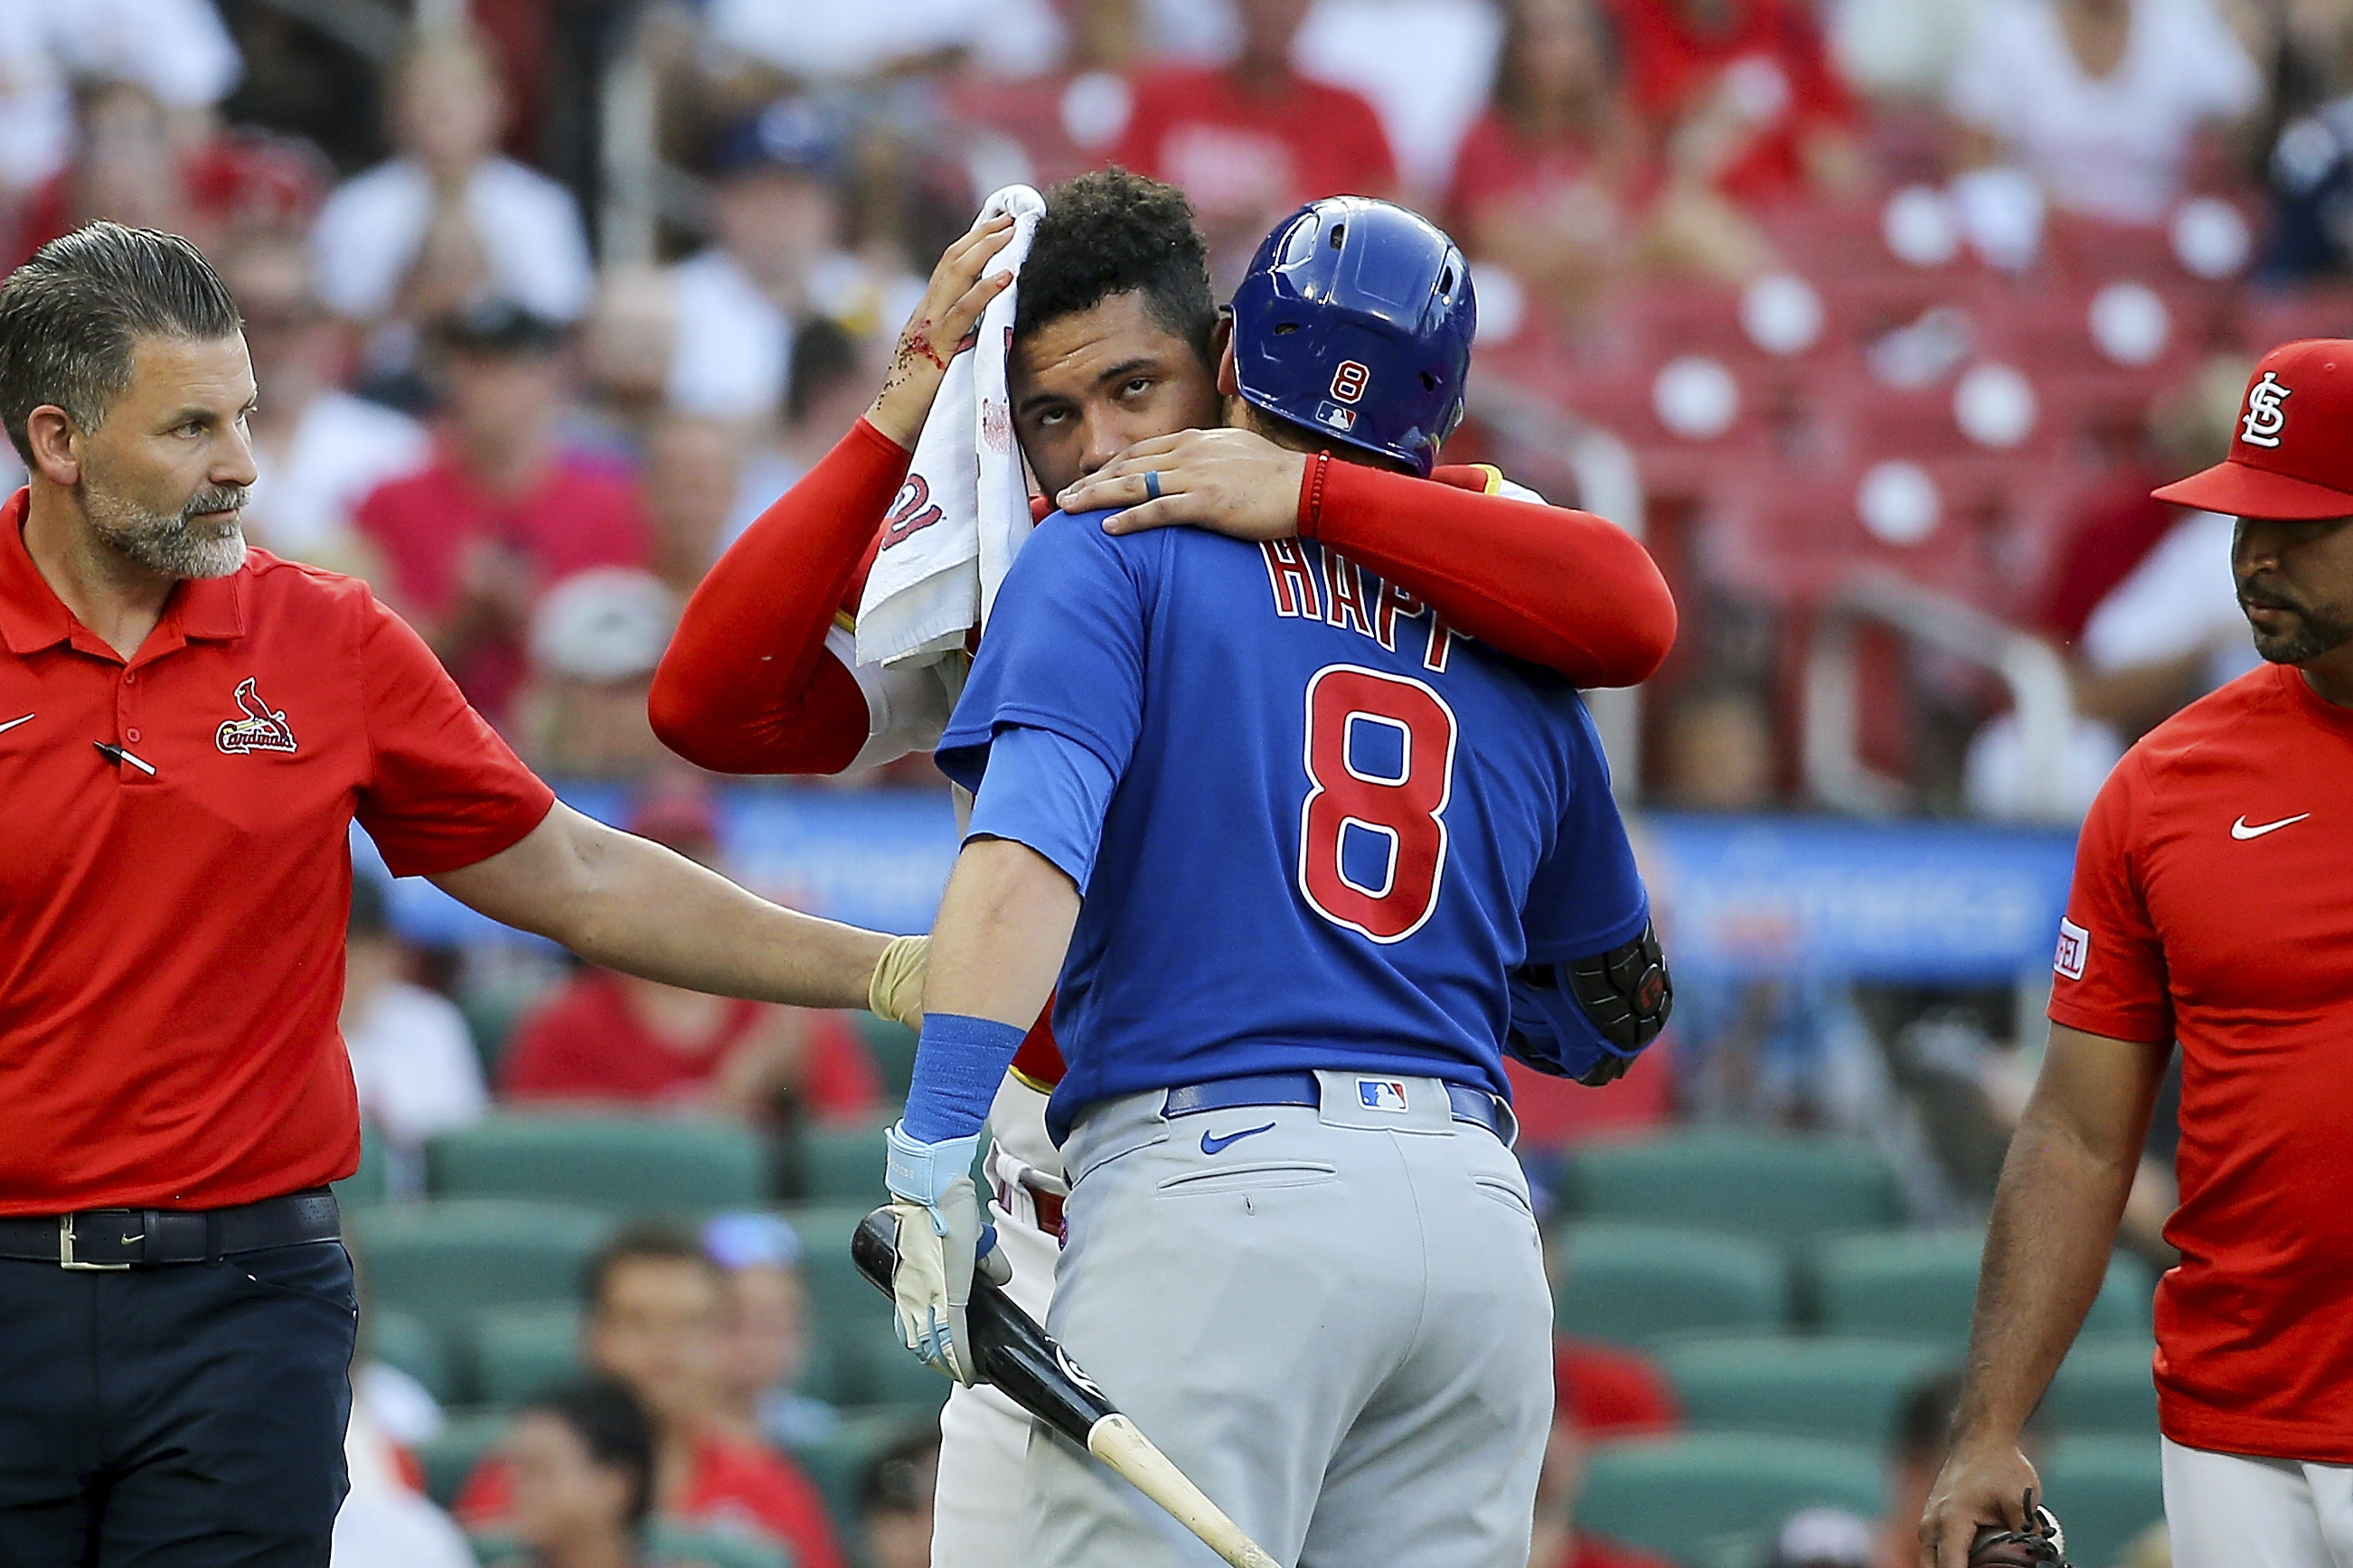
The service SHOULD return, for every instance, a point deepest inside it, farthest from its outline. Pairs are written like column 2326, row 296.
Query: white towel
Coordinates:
column 936, row 577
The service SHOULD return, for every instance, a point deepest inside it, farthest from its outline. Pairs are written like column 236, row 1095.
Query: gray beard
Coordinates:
column 168, row 544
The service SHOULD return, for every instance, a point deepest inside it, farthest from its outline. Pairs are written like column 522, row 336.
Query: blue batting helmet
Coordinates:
column 1354, row 321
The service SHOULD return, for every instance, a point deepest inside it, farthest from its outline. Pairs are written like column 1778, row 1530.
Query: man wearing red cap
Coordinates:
column 2212, row 907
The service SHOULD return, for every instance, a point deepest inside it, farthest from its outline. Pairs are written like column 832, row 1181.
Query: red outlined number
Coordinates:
column 1348, row 382
column 1408, row 810
column 912, row 513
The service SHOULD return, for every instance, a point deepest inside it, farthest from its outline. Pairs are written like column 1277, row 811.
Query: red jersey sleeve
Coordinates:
column 443, row 790
column 1567, row 590
column 2109, row 973
column 746, row 686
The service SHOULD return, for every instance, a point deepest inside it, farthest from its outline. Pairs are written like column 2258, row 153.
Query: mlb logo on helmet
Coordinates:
column 1381, row 1094
column 2286, row 463
column 1337, row 418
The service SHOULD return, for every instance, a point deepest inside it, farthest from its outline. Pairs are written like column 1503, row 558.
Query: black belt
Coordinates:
column 1466, row 1104
column 136, row 1238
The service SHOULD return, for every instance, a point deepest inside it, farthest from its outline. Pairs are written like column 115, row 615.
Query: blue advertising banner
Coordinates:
column 1923, row 902
column 1908, row 901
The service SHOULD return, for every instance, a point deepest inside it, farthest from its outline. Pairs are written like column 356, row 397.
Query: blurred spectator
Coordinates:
column 1923, row 1435
column 626, row 346
column 696, row 472
column 1610, row 1391
column 1556, row 1542
column 1425, row 66
column 176, row 50
column 595, row 640
column 1064, row 120
column 320, row 450
column 447, row 222
column 582, row 1463
column 1250, row 140
column 806, row 42
column 1900, row 49
column 614, row 1039
column 1740, row 95
column 413, row 1057
column 385, row 1521
column 769, row 1334
column 1778, row 1048
column 776, row 260
column 827, row 391
column 656, row 1307
column 1542, row 182
column 135, row 161
column 894, row 1500
column 1825, row 1538
column 2099, row 100
column 1719, row 751
column 506, row 510
column 2310, row 167
column 2142, row 599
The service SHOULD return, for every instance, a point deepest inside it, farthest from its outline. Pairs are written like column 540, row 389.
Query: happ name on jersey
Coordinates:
column 1313, row 583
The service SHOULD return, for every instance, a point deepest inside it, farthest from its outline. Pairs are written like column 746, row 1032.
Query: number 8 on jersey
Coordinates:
column 1405, row 805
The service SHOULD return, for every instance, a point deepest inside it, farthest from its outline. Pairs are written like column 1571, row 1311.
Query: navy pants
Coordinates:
column 189, row 1416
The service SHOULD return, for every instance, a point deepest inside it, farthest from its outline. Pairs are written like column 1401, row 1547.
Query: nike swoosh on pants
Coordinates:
column 1211, row 1144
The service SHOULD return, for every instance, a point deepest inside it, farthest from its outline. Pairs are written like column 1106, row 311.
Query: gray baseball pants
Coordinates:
column 1336, row 1323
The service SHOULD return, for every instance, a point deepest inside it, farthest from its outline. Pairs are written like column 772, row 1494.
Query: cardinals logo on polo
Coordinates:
column 263, row 728
column 2265, row 418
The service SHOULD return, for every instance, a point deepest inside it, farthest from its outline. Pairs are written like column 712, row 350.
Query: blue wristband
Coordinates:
column 959, row 1062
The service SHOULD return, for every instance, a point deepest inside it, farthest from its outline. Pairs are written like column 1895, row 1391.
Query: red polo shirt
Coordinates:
column 2212, row 910
column 172, row 944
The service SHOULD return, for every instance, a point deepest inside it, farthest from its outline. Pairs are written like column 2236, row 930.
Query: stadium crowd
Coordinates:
column 547, row 302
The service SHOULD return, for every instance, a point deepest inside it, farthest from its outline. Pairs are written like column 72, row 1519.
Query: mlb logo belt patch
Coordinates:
column 1381, row 1094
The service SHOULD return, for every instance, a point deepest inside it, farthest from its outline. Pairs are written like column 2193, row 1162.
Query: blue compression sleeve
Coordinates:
column 1046, row 792
column 958, row 1064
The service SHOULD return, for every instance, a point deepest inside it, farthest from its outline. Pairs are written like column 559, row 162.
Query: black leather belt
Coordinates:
column 141, row 1239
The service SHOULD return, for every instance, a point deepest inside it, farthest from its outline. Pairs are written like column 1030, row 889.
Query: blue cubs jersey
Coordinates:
column 1336, row 822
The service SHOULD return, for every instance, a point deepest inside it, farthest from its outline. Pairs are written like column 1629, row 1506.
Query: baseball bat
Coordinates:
column 1009, row 1350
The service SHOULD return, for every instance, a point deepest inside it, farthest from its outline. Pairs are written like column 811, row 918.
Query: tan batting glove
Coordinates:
column 896, row 991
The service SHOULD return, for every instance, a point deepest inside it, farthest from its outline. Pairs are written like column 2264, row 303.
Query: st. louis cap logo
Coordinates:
column 2265, row 418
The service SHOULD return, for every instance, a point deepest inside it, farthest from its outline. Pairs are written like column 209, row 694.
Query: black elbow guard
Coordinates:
column 1626, row 994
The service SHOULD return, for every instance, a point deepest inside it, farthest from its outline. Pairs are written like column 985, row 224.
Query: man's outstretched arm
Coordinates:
column 1567, row 590
column 628, row 904
column 2063, row 1185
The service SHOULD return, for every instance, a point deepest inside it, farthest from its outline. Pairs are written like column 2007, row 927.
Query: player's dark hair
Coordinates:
column 1108, row 233
column 71, row 316
column 614, row 1429
column 642, row 1241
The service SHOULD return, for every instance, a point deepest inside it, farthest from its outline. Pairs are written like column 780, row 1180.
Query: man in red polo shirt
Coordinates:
column 475, row 539
column 2212, row 908
column 187, row 730
column 1250, row 140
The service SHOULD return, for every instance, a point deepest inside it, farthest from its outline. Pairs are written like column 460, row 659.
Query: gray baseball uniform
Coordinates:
column 1336, row 1320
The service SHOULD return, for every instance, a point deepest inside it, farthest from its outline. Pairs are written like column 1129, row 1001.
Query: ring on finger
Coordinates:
column 1152, row 484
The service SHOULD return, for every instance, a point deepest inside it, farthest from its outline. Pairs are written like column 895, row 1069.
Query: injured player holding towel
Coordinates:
column 834, row 633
